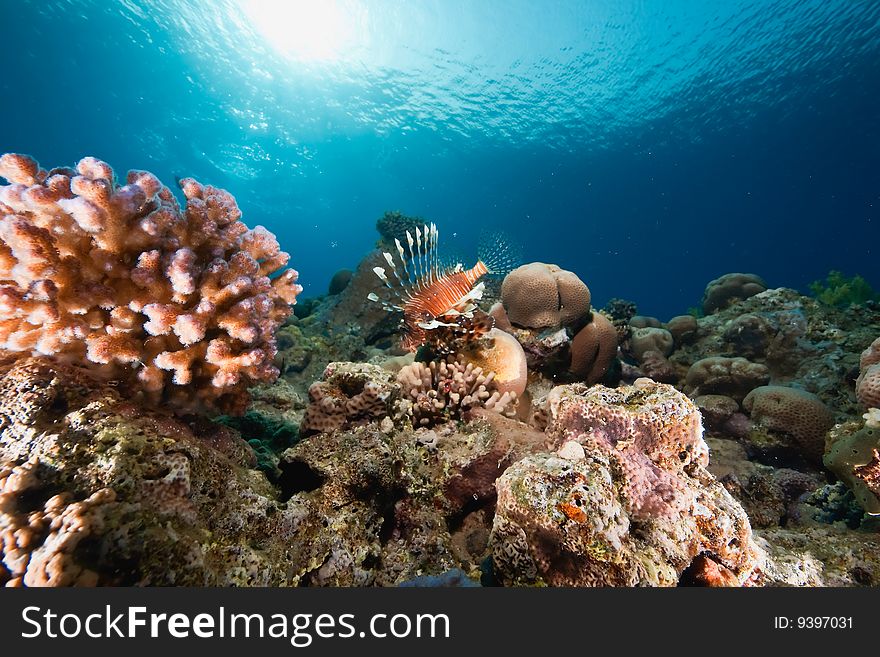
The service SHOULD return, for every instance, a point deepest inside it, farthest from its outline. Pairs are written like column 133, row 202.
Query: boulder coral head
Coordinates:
column 800, row 417
column 178, row 306
column 730, row 288
column 538, row 295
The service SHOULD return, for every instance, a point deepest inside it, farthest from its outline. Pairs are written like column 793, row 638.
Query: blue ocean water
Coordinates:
column 647, row 146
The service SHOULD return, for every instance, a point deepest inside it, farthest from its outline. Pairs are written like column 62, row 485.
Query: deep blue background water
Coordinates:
column 648, row 146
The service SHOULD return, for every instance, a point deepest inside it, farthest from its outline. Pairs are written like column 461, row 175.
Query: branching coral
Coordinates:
column 39, row 546
column 179, row 306
column 443, row 390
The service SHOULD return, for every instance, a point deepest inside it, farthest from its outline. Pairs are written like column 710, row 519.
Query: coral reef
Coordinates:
column 547, row 310
column 393, row 224
column 730, row 288
column 868, row 383
column 177, row 306
column 96, row 490
column 340, row 281
column 718, row 375
column 593, row 350
column 852, row 452
column 682, row 328
column 650, row 338
column 538, row 296
column 500, row 353
column 442, row 390
column 348, row 394
column 796, row 417
column 635, row 506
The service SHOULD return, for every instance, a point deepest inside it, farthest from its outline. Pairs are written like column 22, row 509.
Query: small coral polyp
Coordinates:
column 179, row 306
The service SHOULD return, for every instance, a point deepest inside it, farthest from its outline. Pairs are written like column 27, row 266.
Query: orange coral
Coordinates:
column 120, row 279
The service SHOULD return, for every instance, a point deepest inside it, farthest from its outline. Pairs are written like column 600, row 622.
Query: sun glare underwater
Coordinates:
column 440, row 292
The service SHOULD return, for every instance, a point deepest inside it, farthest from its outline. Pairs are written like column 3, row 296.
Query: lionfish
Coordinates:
column 438, row 301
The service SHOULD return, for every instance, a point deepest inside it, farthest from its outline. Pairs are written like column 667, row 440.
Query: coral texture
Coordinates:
column 636, row 509
column 442, row 390
column 868, row 383
column 176, row 305
column 95, row 490
column 728, row 289
column 650, row 338
column 719, row 375
column 648, row 428
column 538, row 295
column 501, row 353
column 348, row 394
column 682, row 328
column 853, row 454
column 593, row 349
column 794, row 413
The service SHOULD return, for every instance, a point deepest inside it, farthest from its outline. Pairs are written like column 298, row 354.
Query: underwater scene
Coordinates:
column 350, row 293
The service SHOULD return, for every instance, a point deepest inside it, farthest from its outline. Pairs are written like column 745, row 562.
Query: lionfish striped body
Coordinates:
column 432, row 298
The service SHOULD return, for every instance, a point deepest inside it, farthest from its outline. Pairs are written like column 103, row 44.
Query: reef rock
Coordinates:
column 94, row 490
column 637, row 509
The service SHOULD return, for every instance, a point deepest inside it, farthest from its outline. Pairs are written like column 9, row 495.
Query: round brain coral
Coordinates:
column 177, row 306
column 792, row 412
column 868, row 383
column 538, row 295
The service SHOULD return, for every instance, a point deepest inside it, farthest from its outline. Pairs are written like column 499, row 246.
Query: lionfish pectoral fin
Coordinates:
column 435, row 324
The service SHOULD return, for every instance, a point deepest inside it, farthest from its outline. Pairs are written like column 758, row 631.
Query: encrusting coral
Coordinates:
column 625, row 501
column 852, row 452
column 180, row 307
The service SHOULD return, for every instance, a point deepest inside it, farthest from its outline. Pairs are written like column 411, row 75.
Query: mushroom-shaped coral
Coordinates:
column 719, row 375
column 729, row 289
column 634, row 506
column 179, row 307
column 538, row 295
column 868, row 383
column 799, row 417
